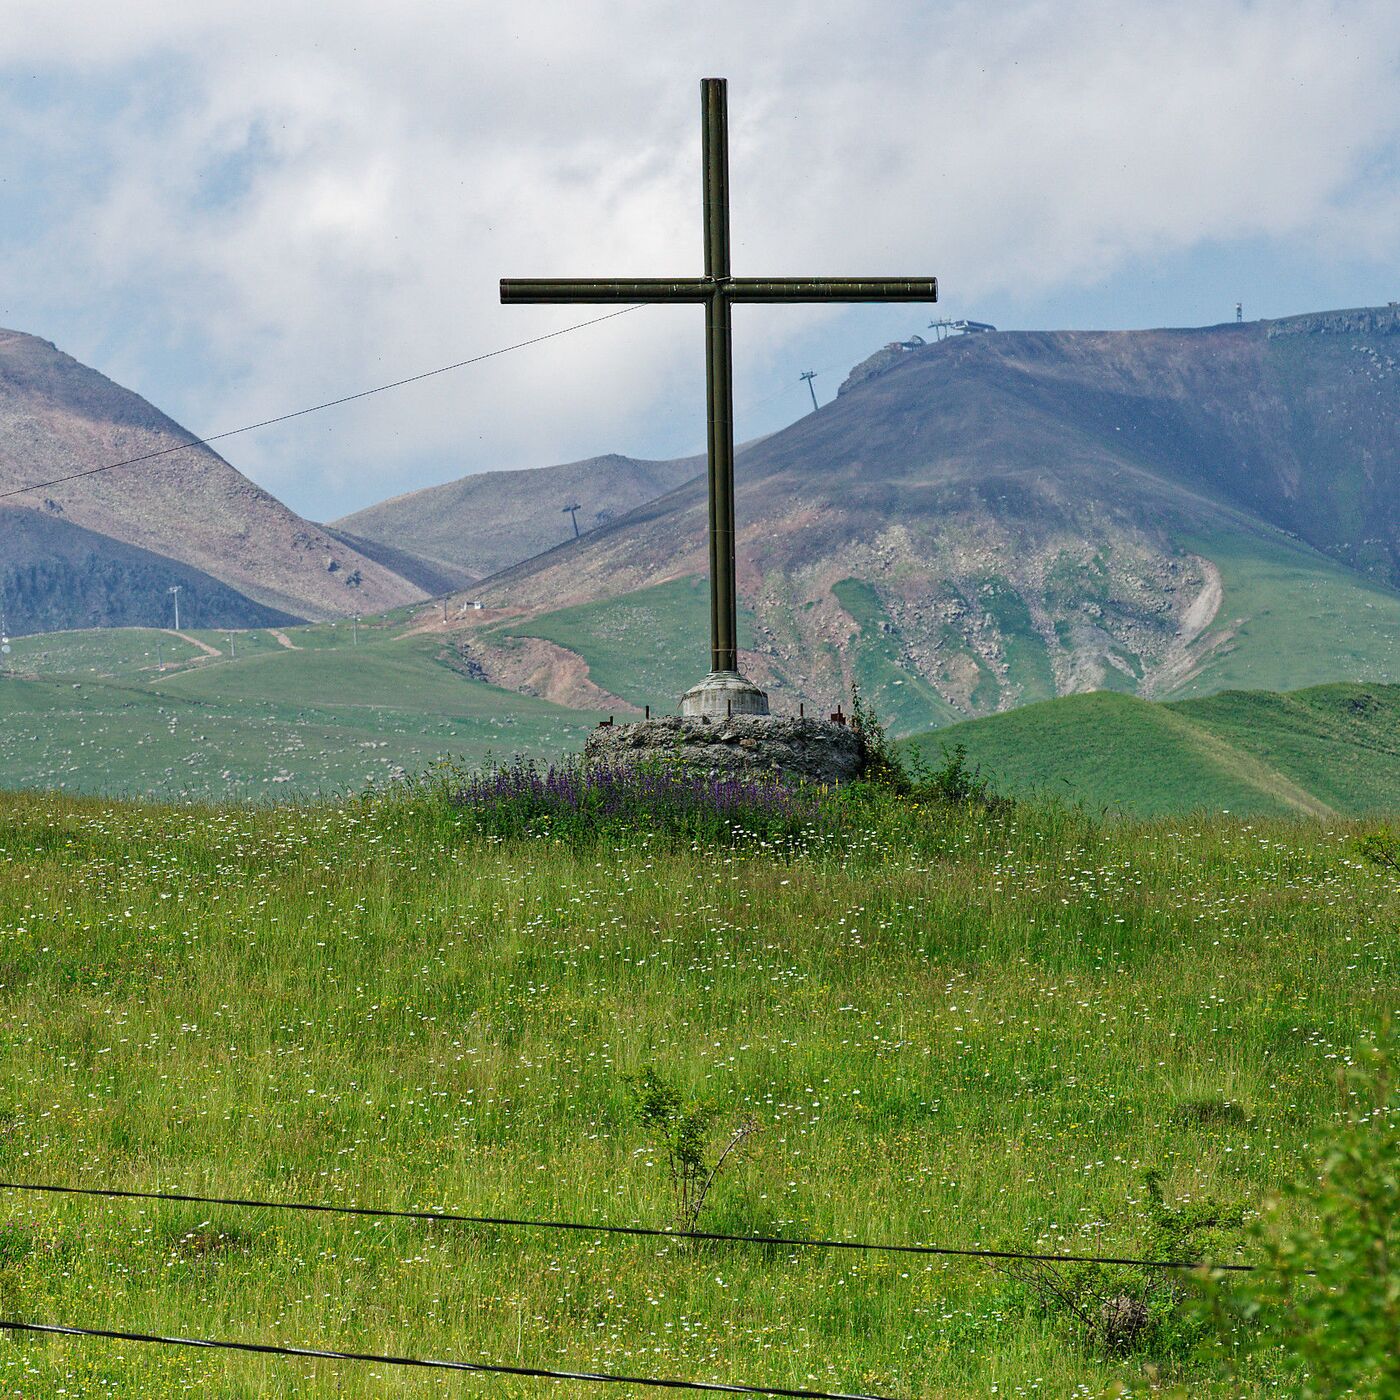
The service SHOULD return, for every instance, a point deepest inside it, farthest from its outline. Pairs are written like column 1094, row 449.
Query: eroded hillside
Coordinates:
column 1000, row 518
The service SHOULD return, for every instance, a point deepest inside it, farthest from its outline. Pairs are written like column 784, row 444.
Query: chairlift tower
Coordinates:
column 572, row 512
column 174, row 591
column 809, row 375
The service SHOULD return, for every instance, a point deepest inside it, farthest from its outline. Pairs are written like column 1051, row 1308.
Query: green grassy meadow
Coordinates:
column 1331, row 750
column 953, row 1025
column 134, row 711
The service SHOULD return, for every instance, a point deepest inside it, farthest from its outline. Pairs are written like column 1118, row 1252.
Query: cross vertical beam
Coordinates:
column 719, row 377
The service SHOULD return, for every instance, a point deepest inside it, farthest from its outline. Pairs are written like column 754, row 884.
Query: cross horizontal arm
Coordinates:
column 832, row 289
column 521, row 290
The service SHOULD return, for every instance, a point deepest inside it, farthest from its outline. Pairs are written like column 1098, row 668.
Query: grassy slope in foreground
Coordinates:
column 976, row 1029
column 325, row 717
column 1329, row 749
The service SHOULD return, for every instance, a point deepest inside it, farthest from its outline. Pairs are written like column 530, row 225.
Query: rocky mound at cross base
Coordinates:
column 814, row 750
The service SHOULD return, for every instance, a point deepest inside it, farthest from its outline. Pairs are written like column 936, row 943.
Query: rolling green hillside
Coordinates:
column 1290, row 617
column 297, row 712
column 1329, row 750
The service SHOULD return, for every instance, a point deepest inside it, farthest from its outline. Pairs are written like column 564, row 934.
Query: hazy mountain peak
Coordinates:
column 58, row 417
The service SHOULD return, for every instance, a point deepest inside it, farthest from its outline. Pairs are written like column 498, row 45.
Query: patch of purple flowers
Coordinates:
column 573, row 797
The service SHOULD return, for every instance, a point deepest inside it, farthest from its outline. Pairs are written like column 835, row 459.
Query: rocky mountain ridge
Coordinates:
column 1008, row 516
column 89, row 550
column 492, row 520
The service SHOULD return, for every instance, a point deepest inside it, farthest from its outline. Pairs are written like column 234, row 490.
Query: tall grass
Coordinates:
column 953, row 1023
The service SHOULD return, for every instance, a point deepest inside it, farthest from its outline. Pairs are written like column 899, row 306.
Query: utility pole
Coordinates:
column 355, row 631
column 809, row 375
column 174, row 591
column 572, row 513
column 231, row 655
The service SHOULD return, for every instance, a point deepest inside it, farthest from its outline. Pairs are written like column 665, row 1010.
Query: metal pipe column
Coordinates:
column 719, row 379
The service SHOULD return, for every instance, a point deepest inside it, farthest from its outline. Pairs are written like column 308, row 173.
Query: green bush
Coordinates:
column 882, row 765
column 683, row 1131
column 1324, row 1310
column 1381, row 848
column 953, row 781
column 1117, row 1311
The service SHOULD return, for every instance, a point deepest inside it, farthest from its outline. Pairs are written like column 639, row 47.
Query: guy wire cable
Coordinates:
column 428, row 1363
column 583, row 1227
column 315, row 408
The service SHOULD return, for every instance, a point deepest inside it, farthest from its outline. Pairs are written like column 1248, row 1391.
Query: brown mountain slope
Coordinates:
column 58, row 416
column 488, row 522
column 1003, row 517
column 56, row 575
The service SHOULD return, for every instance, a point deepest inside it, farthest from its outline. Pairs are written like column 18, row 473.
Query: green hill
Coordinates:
column 1329, row 750
column 296, row 712
column 1289, row 617
column 647, row 647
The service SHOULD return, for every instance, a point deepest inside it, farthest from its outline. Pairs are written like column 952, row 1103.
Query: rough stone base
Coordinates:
column 812, row 749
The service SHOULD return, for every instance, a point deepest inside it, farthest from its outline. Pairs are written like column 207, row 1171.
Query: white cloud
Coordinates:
column 318, row 198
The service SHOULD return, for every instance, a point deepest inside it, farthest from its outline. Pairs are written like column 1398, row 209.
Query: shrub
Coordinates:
column 684, row 1131
column 1381, row 848
column 953, row 781
column 1326, row 1306
column 882, row 765
column 1116, row 1311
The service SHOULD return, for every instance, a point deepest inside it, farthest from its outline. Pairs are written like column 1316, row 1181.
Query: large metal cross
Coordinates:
column 724, row 690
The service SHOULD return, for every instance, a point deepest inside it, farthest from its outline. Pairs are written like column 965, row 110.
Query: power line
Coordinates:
column 426, row 1363
column 315, row 408
column 583, row 1227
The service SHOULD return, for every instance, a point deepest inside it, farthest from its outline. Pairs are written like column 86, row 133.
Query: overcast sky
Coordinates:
column 241, row 208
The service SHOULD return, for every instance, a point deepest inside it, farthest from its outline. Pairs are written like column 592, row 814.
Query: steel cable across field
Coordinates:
column 426, row 1363
column 584, row 1227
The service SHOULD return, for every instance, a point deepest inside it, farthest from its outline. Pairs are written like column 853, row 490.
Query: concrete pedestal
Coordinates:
column 723, row 694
